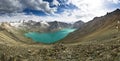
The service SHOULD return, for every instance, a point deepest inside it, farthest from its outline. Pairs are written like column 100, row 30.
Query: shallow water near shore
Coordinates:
column 50, row 37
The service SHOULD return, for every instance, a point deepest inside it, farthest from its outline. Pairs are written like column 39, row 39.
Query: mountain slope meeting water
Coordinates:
column 50, row 37
column 96, row 40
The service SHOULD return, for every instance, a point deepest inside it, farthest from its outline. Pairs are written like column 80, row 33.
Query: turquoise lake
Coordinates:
column 48, row 38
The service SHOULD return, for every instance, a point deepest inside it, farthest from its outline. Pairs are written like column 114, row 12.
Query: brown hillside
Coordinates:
column 99, row 26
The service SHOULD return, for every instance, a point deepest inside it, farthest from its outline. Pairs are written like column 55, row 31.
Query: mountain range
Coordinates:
column 96, row 40
column 44, row 26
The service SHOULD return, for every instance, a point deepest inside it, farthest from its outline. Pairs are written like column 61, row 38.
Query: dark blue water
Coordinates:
column 48, row 38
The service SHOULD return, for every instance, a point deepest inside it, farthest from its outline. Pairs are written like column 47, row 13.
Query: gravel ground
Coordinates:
column 61, row 52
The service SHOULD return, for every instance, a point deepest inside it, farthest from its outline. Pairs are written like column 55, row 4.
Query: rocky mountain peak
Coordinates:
column 78, row 24
column 115, row 12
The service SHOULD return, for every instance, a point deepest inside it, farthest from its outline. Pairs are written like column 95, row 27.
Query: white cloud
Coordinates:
column 55, row 2
column 87, row 9
column 19, row 16
column 22, row 16
column 8, row 6
column 114, row 1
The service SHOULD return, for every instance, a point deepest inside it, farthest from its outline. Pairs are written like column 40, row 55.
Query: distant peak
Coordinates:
column 117, row 10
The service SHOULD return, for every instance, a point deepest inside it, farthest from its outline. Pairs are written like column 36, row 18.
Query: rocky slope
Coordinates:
column 11, row 32
column 99, row 28
column 78, row 24
column 97, row 40
column 56, row 25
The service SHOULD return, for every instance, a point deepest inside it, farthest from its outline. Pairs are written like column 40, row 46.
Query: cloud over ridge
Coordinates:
column 61, row 10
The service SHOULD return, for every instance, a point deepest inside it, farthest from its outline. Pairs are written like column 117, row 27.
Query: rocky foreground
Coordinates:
column 61, row 52
column 97, row 40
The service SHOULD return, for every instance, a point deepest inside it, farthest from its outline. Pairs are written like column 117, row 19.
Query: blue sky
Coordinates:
column 51, row 10
column 60, row 8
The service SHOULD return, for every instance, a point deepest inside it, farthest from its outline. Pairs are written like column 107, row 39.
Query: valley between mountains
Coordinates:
column 96, row 40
